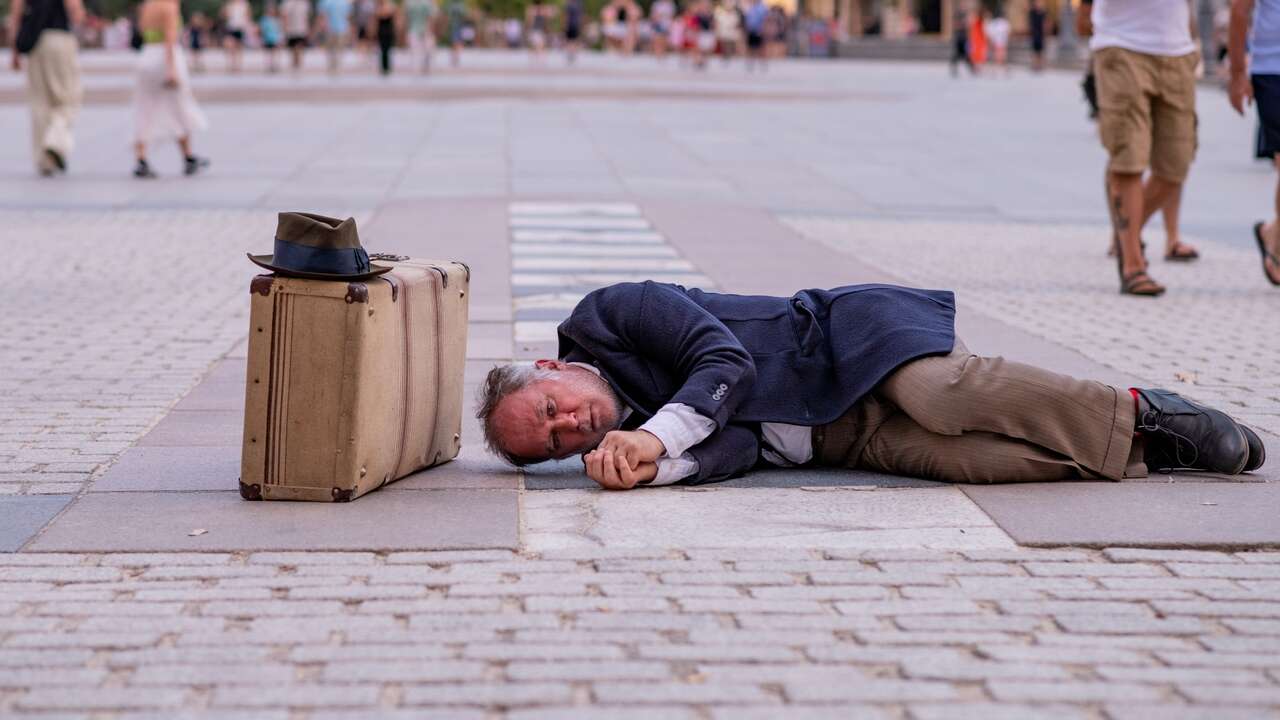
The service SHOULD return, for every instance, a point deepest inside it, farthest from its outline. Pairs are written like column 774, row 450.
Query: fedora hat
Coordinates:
column 318, row 247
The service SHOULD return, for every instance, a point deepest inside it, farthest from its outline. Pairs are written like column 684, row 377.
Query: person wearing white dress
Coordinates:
column 998, row 29
column 163, row 104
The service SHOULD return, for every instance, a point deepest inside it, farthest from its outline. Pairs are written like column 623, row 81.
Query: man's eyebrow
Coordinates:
column 539, row 413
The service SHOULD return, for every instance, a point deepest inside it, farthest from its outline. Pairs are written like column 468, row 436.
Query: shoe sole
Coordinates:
column 1256, row 460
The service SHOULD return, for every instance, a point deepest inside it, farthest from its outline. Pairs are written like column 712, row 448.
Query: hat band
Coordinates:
column 325, row 261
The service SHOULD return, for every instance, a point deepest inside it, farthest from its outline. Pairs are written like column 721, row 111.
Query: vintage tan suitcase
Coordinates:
column 352, row 385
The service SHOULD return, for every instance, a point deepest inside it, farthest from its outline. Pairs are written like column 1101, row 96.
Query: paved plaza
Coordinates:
column 135, row 582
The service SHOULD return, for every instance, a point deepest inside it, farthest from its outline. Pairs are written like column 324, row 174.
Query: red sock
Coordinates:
column 1134, row 393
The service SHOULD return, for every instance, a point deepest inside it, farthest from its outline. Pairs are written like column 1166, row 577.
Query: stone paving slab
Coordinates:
column 389, row 519
column 1173, row 514
column 146, row 468
column 197, row 428
column 22, row 517
column 715, row 516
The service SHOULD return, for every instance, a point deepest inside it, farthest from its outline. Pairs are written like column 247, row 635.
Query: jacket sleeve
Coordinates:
column 662, row 325
column 727, row 454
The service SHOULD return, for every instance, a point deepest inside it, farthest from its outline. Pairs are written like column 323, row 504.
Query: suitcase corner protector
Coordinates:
column 340, row 495
column 250, row 492
column 261, row 284
column 357, row 293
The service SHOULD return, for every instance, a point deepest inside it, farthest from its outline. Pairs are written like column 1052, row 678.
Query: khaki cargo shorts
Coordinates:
column 1147, row 111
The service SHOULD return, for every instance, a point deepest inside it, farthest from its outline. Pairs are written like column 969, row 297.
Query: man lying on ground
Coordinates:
column 658, row 384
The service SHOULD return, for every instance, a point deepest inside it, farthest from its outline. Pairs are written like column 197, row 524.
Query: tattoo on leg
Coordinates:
column 1118, row 216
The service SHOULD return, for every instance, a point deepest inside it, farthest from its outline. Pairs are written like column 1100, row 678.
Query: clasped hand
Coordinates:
column 624, row 459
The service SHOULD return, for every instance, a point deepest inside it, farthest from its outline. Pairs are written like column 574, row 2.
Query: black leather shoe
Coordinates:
column 1257, row 451
column 1184, row 435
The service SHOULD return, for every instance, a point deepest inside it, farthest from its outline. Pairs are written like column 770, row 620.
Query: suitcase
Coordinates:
column 351, row 386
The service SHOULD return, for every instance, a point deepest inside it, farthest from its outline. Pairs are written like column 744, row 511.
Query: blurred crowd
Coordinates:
column 696, row 29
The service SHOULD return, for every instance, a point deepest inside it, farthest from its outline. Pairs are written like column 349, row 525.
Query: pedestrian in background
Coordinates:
column 236, row 17
column 385, row 27
column 456, row 16
column 538, row 19
column 197, row 35
column 297, row 29
column 704, row 37
column 960, row 45
column 997, row 29
column 754, row 20
column 363, row 19
column 335, row 22
column 661, row 15
column 271, row 33
column 573, row 13
column 728, row 26
column 1037, row 19
column 613, row 21
column 1261, row 82
column 1145, row 60
column 42, row 30
column 775, row 32
column 420, row 16
column 163, row 106
column 977, row 39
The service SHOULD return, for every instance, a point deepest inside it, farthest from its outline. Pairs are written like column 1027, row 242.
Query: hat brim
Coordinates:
column 265, row 261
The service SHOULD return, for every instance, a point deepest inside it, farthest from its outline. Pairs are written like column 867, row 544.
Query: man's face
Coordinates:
column 564, row 415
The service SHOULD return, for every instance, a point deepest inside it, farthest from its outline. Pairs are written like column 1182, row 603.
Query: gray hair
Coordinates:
column 502, row 381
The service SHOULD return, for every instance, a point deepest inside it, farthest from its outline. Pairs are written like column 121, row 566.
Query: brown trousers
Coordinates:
column 964, row 418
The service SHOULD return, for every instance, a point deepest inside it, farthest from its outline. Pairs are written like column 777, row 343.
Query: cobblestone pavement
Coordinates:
column 1208, row 336
column 138, row 291
column 125, row 313
column 695, row 633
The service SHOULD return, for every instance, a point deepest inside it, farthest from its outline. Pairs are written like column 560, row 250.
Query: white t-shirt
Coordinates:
column 998, row 31
column 297, row 17
column 1153, row 27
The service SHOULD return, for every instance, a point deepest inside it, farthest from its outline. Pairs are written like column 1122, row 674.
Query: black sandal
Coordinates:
column 1266, row 254
column 1140, row 283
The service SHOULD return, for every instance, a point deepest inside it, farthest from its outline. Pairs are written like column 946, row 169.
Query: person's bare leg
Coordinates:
column 141, row 169
column 1125, row 196
column 1157, row 194
column 1271, row 230
column 184, row 144
column 1165, row 196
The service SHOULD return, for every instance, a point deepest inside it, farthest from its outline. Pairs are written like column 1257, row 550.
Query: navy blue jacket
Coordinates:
column 746, row 359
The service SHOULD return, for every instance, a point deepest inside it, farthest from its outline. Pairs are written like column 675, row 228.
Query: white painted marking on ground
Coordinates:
column 603, row 236
column 572, row 223
column 580, row 263
column 537, row 208
column 590, row 279
column 536, row 330
column 562, row 249
column 547, row 301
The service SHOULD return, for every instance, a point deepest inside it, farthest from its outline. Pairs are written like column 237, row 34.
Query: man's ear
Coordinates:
column 545, row 364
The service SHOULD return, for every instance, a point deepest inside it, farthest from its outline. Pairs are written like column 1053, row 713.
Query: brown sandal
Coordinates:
column 1267, row 255
column 1182, row 252
column 1140, row 283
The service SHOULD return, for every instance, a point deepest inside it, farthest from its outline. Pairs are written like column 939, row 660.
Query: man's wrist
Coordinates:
column 663, row 451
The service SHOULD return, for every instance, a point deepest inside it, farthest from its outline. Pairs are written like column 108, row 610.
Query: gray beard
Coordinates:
column 619, row 407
